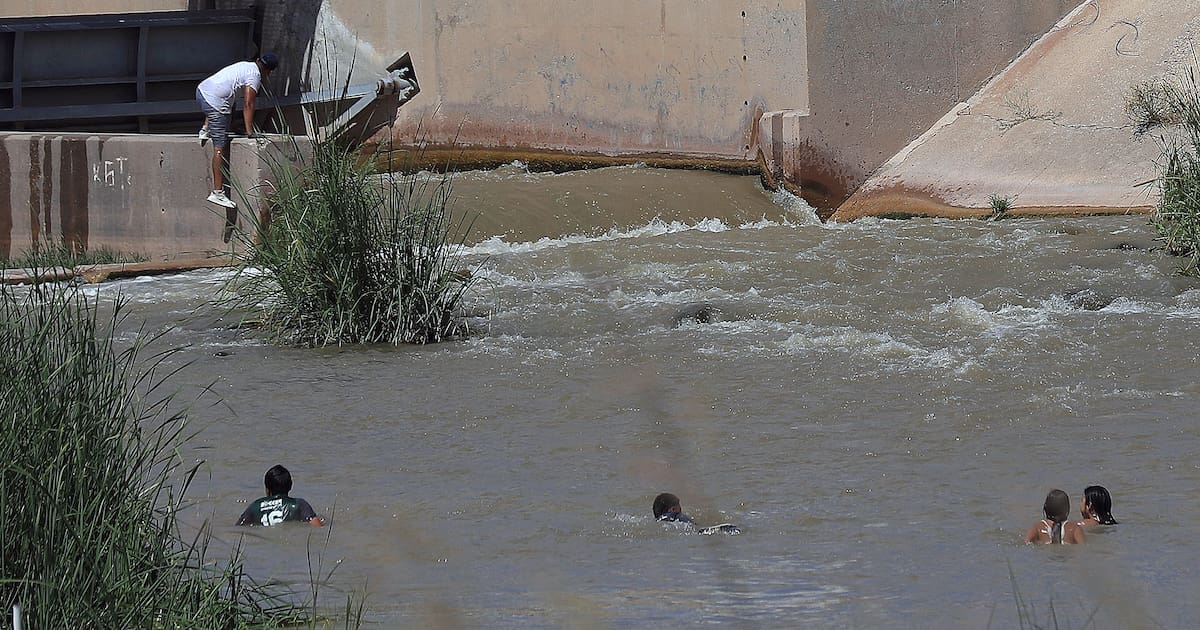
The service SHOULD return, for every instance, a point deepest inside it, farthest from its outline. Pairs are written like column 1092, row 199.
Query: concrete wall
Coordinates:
column 134, row 193
column 822, row 91
column 1050, row 133
column 677, row 76
column 850, row 82
column 884, row 71
column 31, row 8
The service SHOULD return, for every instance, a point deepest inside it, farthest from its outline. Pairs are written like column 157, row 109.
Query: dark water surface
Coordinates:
column 882, row 406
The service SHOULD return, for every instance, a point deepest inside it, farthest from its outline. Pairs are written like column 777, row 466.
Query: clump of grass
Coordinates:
column 1148, row 105
column 352, row 257
column 92, row 480
column 1000, row 206
column 1173, row 104
column 901, row 216
column 63, row 254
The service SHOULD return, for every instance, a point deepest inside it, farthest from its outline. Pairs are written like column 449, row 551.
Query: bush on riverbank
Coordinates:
column 349, row 256
column 91, row 481
column 1172, row 105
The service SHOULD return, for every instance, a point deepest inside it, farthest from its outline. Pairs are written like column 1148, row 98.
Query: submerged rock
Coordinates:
column 1088, row 299
column 697, row 312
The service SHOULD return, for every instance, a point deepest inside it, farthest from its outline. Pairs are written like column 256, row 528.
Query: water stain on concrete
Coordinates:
column 35, row 190
column 48, row 187
column 73, row 193
column 6, row 217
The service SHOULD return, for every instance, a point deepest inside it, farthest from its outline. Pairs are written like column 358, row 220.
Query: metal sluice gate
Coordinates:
column 139, row 72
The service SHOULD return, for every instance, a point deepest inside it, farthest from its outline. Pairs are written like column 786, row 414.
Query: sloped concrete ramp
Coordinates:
column 1050, row 132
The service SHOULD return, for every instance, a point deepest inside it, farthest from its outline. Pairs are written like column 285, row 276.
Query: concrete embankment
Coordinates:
column 825, row 98
column 820, row 92
column 142, row 194
column 1050, row 133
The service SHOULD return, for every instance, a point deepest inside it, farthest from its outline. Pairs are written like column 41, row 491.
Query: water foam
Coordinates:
column 496, row 245
column 967, row 313
column 854, row 341
column 796, row 206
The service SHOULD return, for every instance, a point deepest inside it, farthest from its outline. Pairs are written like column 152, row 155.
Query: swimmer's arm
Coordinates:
column 1079, row 537
column 1032, row 535
column 309, row 514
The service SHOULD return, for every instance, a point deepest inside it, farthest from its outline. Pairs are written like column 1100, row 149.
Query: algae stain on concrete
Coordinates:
column 35, row 198
column 6, row 217
column 74, row 181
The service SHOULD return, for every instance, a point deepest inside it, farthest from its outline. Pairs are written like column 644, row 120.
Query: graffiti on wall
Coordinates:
column 112, row 173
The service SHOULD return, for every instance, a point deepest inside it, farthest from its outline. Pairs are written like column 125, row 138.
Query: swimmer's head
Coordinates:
column 1057, row 506
column 1098, row 501
column 666, row 503
column 278, row 480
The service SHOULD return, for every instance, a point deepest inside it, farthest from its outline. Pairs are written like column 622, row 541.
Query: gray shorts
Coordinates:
column 218, row 123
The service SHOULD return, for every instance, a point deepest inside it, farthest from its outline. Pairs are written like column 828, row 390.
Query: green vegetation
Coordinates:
column 1148, row 105
column 1172, row 105
column 353, row 257
column 61, row 254
column 901, row 216
column 1000, row 206
column 92, row 480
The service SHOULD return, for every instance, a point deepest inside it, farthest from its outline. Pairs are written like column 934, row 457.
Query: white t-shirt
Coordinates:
column 222, row 88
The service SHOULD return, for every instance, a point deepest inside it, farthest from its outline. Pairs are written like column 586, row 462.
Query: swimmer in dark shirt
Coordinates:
column 667, row 508
column 277, row 507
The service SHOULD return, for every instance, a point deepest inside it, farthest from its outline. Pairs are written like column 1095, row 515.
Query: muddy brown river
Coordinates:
column 881, row 406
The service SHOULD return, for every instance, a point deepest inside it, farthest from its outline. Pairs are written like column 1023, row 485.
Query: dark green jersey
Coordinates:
column 277, row 509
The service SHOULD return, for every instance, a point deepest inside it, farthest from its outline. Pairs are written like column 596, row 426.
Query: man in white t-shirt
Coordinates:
column 216, row 95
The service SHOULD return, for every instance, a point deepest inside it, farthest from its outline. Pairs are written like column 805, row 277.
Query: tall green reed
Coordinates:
column 343, row 255
column 92, row 479
column 1031, row 617
column 1172, row 105
column 347, row 256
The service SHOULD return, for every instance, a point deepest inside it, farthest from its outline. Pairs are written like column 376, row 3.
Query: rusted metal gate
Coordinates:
column 118, row 72
column 139, row 71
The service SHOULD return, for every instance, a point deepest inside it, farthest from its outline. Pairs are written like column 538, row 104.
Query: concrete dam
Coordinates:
column 925, row 107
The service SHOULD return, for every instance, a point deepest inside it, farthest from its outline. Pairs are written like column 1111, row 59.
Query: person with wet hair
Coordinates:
column 1096, row 507
column 277, row 507
column 666, row 508
column 1056, row 529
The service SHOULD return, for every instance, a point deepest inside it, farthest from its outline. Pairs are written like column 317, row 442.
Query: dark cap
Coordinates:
column 269, row 61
